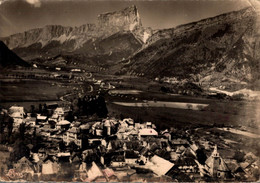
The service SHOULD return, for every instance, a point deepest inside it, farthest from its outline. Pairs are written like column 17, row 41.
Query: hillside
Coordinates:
column 9, row 59
column 220, row 48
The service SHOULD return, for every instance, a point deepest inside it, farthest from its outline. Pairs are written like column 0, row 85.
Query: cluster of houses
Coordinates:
column 111, row 150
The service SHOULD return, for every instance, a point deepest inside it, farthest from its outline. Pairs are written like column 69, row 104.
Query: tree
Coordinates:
column 72, row 146
column 19, row 150
column 62, row 146
column 121, row 116
column 79, row 104
column 201, row 156
column 33, row 114
column 45, row 109
column 101, row 107
column 40, row 108
column 10, row 126
column 22, row 129
column 70, row 116
column 2, row 119
column 239, row 156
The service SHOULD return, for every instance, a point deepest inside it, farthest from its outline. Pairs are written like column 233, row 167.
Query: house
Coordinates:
column 73, row 135
column 118, row 161
column 97, row 129
column 235, row 168
column 17, row 109
column 137, row 126
column 94, row 142
column 18, row 118
column 250, row 167
column 17, row 113
column 60, row 112
column 166, row 134
column 41, row 119
column 148, row 124
column 95, row 174
column 193, row 148
column 85, row 128
column 110, row 126
column 159, row 165
column 187, row 165
column 63, row 156
column 178, row 176
column 110, row 175
column 42, row 152
column 31, row 121
column 35, row 157
column 174, row 156
column 180, row 149
column 216, row 166
column 131, row 157
column 107, row 125
column 48, row 166
column 180, row 142
column 63, row 125
column 129, row 121
column 24, row 166
column 147, row 132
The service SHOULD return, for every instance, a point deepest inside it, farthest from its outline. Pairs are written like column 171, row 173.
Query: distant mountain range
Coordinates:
column 117, row 33
column 219, row 49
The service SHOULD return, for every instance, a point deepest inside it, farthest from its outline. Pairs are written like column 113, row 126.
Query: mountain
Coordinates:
column 126, row 19
column 9, row 58
column 217, row 49
column 52, row 40
column 220, row 50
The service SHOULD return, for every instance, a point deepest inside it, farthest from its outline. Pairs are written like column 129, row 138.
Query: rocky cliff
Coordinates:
column 127, row 19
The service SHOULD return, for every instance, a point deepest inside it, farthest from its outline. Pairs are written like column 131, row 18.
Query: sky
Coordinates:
column 21, row 15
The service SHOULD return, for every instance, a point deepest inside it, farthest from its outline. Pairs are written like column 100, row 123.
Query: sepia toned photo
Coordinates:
column 129, row 91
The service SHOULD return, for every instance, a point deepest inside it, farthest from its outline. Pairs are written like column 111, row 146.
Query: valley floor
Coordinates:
column 227, row 123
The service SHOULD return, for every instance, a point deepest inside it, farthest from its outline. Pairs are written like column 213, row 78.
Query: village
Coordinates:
column 50, row 144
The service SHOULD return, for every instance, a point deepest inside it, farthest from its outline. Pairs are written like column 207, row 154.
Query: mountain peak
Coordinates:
column 126, row 19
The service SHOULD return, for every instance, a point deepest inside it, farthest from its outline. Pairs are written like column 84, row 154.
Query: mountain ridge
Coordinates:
column 60, row 39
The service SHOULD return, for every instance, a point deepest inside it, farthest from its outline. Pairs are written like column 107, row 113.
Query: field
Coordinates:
column 32, row 90
column 225, row 113
column 21, row 90
column 133, row 90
